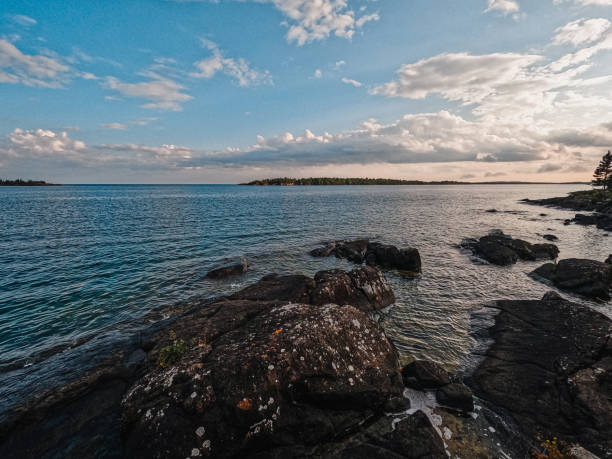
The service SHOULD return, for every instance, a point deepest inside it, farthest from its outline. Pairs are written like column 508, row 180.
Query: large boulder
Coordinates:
column 256, row 377
column 389, row 256
column 364, row 288
column 456, row 396
column 550, row 367
column 501, row 249
column 405, row 260
column 590, row 278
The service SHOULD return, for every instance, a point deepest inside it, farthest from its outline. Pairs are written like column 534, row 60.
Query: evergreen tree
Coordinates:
column 603, row 173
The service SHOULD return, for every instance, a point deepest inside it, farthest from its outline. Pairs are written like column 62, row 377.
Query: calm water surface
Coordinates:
column 83, row 261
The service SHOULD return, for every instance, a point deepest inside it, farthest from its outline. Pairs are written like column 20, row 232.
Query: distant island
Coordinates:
column 285, row 181
column 20, row 182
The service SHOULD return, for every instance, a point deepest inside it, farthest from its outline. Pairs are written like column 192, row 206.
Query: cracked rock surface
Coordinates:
column 551, row 369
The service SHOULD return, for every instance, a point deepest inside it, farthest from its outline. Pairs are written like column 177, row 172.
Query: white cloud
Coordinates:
column 315, row 20
column 23, row 20
column 503, row 6
column 30, row 70
column 239, row 69
column 115, row 126
column 581, row 31
column 164, row 93
column 339, row 64
column 460, row 76
column 41, row 143
column 318, row 73
column 586, row 2
column 355, row 83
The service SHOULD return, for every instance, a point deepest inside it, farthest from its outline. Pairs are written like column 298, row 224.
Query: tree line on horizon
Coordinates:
column 21, row 182
column 288, row 181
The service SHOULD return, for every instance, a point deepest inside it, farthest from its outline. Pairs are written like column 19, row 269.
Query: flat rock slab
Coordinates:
column 589, row 278
column 550, row 367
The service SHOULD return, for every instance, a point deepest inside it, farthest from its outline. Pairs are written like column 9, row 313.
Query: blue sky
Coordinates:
column 162, row 91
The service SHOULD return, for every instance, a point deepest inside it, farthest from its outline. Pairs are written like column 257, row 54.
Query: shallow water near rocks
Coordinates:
column 93, row 264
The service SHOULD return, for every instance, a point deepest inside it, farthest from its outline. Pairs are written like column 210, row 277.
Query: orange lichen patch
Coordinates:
column 279, row 331
column 245, row 404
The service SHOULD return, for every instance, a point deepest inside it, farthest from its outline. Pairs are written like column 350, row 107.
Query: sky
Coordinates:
column 226, row 91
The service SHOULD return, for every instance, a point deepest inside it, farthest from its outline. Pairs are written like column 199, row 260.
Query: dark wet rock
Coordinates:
column 365, row 288
column 593, row 201
column 413, row 437
column 609, row 260
column 567, row 222
column 581, row 219
column 294, row 375
column 234, row 269
column 406, row 260
column 352, row 250
column 424, row 374
column 550, row 237
column 389, row 256
column 397, row 404
column 590, row 278
column 543, row 215
column 550, row 368
column 322, row 252
column 79, row 419
column 457, row 396
column 601, row 220
column 491, row 211
column 294, row 288
column 501, row 249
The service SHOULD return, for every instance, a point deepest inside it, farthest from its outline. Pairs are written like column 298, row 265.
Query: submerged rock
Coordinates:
column 406, row 260
column 590, row 278
column 550, row 237
column 305, row 375
column 550, row 368
column 234, row 269
column 501, row 249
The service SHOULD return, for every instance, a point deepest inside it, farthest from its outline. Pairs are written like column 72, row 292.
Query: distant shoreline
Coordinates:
column 20, row 182
column 334, row 181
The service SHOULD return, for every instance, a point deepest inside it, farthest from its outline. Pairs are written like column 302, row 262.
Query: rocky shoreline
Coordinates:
column 596, row 201
column 298, row 366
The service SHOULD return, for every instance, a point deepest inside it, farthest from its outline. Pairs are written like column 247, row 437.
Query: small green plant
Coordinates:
column 169, row 355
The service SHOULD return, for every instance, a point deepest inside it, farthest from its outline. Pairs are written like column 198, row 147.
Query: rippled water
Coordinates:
column 82, row 261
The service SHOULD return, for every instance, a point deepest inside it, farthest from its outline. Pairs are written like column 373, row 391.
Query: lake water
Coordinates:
column 78, row 262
